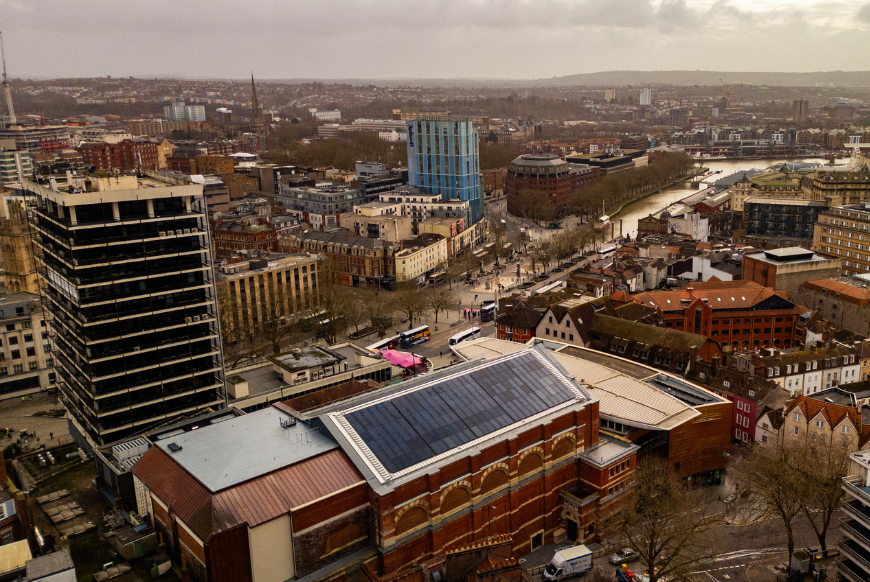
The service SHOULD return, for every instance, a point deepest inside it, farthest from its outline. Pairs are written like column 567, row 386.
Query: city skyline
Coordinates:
column 499, row 39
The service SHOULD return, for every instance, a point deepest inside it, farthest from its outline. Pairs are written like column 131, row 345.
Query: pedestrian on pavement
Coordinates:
column 440, row 353
column 50, row 435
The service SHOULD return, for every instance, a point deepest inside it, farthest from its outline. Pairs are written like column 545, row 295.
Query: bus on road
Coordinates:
column 487, row 312
column 389, row 343
column 414, row 336
column 468, row 334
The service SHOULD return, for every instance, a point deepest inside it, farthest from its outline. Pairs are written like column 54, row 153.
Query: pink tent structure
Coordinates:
column 402, row 359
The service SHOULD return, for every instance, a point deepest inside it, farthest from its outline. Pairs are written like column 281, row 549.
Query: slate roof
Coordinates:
column 521, row 316
column 640, row 332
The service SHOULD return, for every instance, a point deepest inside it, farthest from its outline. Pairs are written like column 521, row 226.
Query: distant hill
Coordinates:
column 622, row 78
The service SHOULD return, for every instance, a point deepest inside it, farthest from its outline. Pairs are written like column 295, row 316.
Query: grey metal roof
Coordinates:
column 242, row 448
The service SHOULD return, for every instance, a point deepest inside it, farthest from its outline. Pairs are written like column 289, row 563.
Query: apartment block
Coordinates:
column 127, row 279
column 126, row 155
column 844, row 232
column 838, row 187
column 781, row 218
column 25, row 347
column 854, row 545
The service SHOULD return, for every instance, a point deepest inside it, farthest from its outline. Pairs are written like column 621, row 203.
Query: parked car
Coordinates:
column 622, row 556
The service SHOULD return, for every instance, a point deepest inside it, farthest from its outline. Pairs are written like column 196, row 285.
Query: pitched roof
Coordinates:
column 640, row 332
column 774, row 415
column 521, row 316
column 635, row 312
column 851, row 293
column 253, row 502
column 833, row 413
column 718, row 294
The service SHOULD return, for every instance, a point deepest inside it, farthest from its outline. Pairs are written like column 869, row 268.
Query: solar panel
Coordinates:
column 389, row 436
column 418, row 425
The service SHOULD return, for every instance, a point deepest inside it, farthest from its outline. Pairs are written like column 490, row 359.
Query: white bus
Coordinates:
column 389, row 343
column 468, row 334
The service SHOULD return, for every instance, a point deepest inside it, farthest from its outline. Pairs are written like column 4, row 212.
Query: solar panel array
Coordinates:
column 416, row 426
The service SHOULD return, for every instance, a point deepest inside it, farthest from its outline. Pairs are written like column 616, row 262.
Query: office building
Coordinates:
column 443, row 158
column 136, row 343
column 25, row 353
column 544, row 184
column 786, row 269
column 610, row 94
column 259, row 291
column 740, row 314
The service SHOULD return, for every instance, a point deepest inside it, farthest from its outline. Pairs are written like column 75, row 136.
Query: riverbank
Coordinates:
column 627, row 203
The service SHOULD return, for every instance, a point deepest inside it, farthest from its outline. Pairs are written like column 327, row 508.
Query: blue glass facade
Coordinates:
column 443, row 158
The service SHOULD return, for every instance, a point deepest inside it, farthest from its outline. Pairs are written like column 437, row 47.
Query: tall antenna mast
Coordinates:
column 7, row 90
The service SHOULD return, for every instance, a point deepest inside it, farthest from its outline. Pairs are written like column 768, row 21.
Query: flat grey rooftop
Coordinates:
column 606, row 451
column 245, row 447
column 261, row 380
column 305, row 358
column 791, row 255
column 49, row 564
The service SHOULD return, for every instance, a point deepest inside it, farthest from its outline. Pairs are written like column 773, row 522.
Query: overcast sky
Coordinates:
column 508, row 39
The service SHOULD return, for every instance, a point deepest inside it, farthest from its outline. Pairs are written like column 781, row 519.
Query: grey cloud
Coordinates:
column 864, row 13
column 417, row 38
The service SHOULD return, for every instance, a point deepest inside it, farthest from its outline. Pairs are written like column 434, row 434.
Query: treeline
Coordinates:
column 617, row 188
column 611, row 190
column 341, row 153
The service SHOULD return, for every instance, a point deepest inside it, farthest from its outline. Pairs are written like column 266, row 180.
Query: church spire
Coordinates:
column 255, row 105
column 258, row 120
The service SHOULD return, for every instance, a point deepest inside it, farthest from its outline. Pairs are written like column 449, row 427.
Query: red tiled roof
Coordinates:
column 719, row 295
column 856, row 294
column 833, row 413
column 253, row 502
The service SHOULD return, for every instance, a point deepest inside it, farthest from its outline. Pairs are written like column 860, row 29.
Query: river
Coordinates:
column 652, row 204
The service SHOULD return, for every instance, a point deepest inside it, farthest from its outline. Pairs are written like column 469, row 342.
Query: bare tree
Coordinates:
column 409, row 300
column 355, row 310
column 332, row 300
column 825, row 463
column 440, row 299
column 770, row 480
column 666, row 523
column 379, row 308
column 240, row 339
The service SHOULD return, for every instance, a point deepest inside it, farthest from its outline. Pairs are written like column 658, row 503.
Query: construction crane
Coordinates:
column 7, row 90
column 727, row 94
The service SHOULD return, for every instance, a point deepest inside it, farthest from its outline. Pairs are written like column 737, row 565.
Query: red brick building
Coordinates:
column 126, row 155
column 740, row 314
column 518, row 324
column 389, row 479
column 543, row 179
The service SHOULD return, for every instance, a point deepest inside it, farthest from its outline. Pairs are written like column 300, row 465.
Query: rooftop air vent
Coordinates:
column 173, row 447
